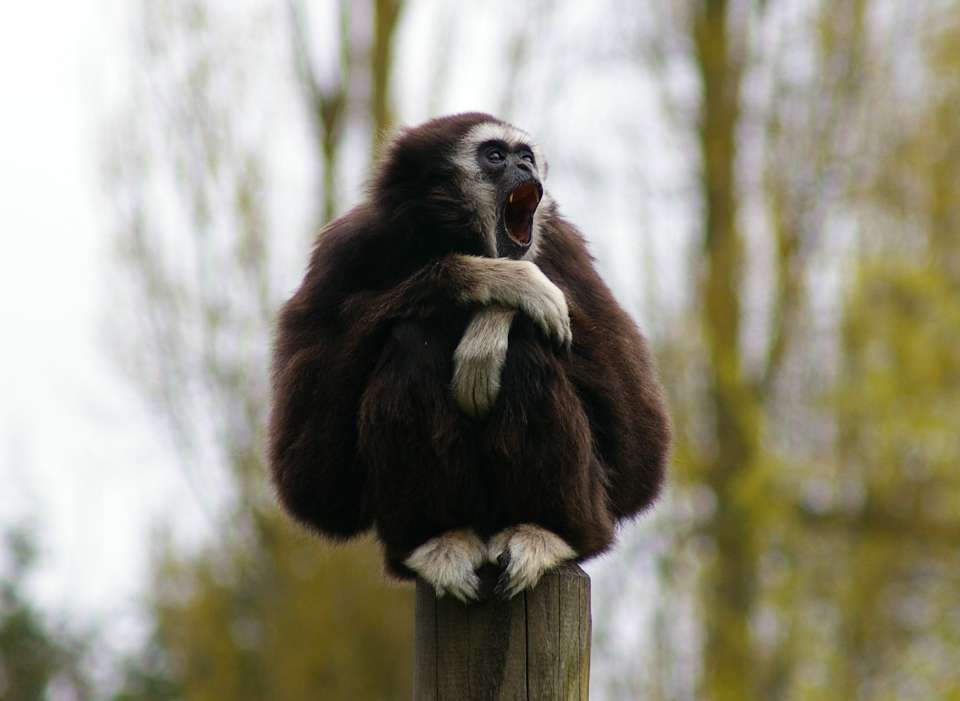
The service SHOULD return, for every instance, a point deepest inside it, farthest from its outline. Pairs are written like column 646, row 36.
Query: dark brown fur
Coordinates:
column 364, row 429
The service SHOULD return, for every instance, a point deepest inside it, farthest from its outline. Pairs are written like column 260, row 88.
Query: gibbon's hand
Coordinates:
column 519, row 284
column 545, row 304
column 478, row 360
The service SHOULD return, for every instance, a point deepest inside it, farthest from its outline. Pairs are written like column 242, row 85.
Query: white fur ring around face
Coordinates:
column 526, row 552
column 449, row 563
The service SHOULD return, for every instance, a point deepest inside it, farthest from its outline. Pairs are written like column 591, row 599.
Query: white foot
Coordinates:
column 525, row 552
column 449, row 563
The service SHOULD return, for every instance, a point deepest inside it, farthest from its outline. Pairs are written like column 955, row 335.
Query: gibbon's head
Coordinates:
column 470, row 179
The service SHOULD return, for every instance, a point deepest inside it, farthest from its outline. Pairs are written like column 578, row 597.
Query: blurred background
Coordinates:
column 771, row 187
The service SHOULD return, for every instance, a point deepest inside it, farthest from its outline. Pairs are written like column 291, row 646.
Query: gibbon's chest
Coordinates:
column 421, row 349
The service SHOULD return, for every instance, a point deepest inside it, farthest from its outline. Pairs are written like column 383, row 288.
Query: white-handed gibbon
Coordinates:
column 453, row 373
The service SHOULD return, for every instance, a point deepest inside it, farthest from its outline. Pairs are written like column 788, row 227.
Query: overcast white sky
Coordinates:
column 77, row 458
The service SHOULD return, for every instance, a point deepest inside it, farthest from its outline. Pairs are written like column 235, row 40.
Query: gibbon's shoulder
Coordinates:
column 356, row 251
column 565, row 257
column 340, row 238
column 565, row 248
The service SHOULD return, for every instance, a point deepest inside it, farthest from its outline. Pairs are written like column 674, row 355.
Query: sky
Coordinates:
column 79, row 464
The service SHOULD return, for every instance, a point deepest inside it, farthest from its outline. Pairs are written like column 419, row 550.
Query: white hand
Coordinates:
column 543, row 302
column 518, row 284
column 478, row 360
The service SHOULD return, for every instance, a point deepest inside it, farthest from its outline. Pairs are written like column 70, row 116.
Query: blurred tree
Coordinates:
column 37, row 659
column 262, row 610
column 725, row 384
column 897, row 396
column 326, row 100
column 282, row 619
column 386, row 15
column 819, row 524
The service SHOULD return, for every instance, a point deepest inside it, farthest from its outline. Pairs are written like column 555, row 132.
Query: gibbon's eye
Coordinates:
column 528, row 157
column 494, row 154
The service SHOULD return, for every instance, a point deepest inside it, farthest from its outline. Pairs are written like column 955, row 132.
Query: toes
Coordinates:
column 497, row 547
column 465, row 590
column 448, row 562
column 521, row 575
column 524, row 553
column 515, row 578
column 502, row 588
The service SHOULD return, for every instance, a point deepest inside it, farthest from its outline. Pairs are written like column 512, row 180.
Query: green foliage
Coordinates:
column 818, row 446
column 36, row 656
column 282, row 617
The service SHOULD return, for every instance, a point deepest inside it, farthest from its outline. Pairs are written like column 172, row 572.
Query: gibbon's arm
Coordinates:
column 466, row 280
column 501, row 287
column 329, row 336
column 613, row 372
column 478, row 359
column 319, row 369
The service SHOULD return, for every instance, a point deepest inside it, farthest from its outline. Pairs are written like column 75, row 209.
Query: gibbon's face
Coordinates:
column 502, row 177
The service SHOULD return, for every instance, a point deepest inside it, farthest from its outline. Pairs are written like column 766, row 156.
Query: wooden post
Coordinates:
column 535, row 647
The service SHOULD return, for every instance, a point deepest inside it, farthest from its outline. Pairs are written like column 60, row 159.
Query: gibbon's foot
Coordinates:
column 449, row 562
column 478, row 360
column 525, row 552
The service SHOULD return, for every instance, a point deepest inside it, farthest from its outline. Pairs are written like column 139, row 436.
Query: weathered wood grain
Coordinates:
column 535, row 647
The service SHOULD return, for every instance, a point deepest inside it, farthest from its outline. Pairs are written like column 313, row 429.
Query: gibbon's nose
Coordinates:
column 523, row 165
column 520, row 171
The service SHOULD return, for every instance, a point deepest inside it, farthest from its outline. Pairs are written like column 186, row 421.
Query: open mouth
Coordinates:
column 518, row 212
